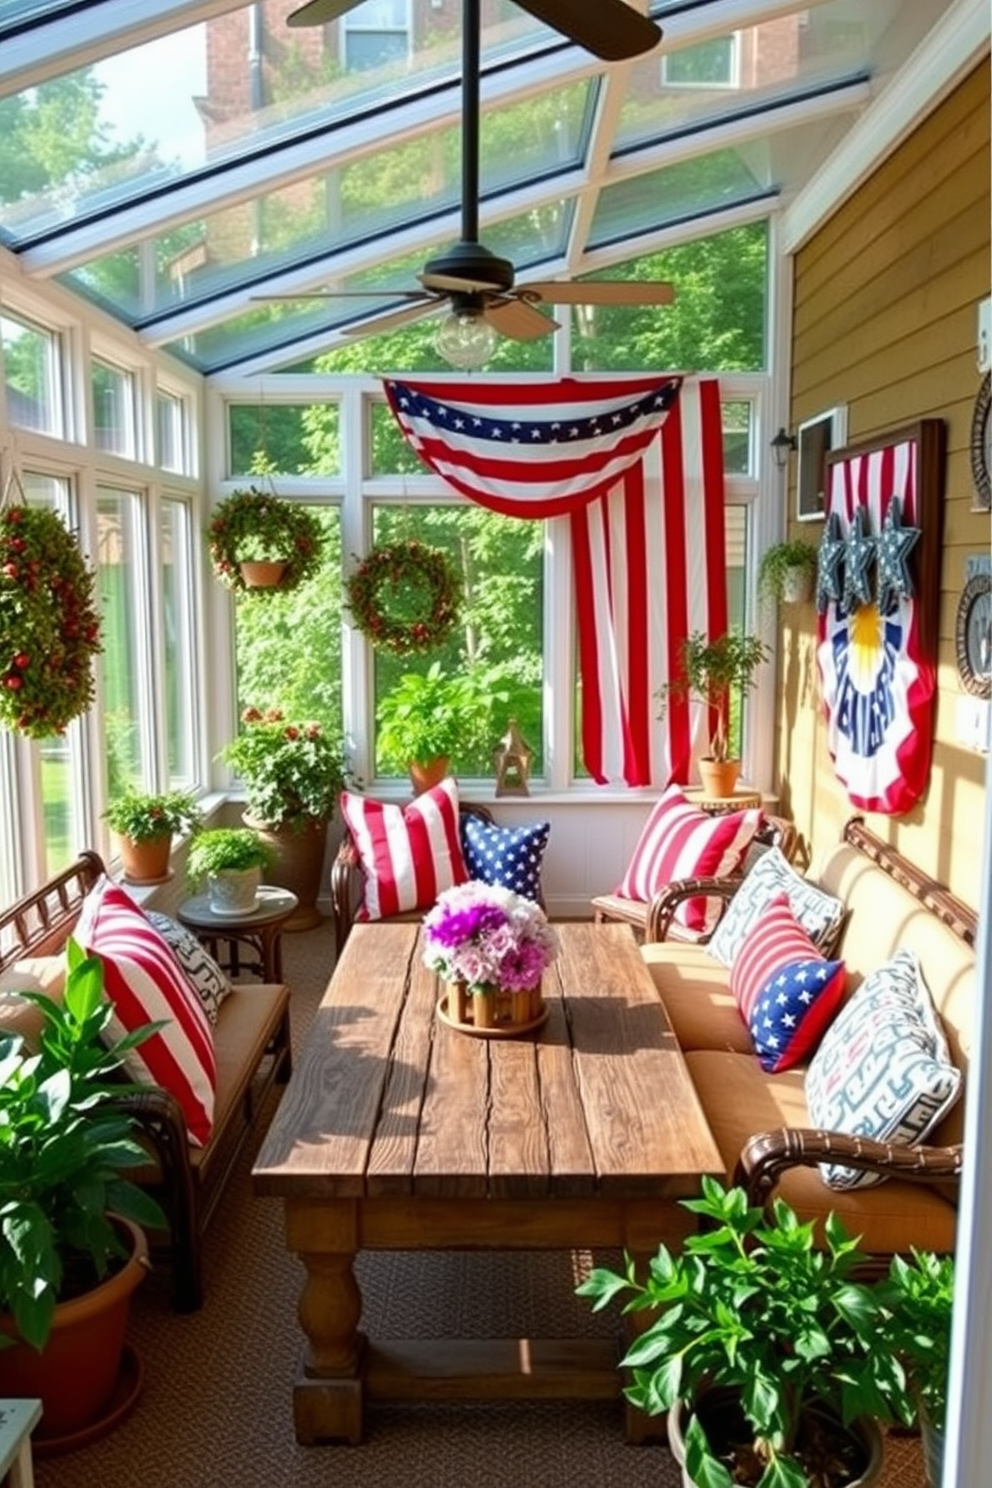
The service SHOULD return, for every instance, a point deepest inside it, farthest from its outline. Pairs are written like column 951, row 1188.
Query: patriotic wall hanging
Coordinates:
column 636, row 465
column 877, row 595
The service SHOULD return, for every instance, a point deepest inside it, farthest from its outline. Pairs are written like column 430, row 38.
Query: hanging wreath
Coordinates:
column 49, row 626
column 406, row 597
column 253, row 525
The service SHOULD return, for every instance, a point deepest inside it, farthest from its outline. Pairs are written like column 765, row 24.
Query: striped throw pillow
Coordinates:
column 146, row 984
column 786, row 991
column 408, row 853
column 680, row 841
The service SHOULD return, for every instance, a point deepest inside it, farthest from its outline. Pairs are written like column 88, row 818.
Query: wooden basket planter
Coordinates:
column 501, row 1014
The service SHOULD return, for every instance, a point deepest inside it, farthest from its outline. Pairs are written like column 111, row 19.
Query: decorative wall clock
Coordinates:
column 981, row 446
column 973, row 636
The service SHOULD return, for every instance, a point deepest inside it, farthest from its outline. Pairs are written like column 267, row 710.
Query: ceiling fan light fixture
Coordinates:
column 466, row 340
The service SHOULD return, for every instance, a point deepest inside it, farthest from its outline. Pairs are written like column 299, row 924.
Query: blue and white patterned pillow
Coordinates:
column 202, row 971
column 883, row 1068
column 508, row 856
column 820, row 914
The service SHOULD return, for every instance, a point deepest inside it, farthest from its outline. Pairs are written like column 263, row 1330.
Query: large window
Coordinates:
column 124, row 663
column 113, row 408
column 32, row 363
column 182, row 705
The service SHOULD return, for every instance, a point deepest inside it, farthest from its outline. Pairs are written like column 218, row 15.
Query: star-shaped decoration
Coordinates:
column 829, row 579
column 892, row 547
column 859, row 554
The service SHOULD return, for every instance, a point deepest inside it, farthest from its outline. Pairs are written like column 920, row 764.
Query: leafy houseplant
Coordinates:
column 713, row 671
column 226, row 850
column 918, row 1301
column 787, row 571
column 292, row 775
column 428, row 716
column 145, row 825
column 65, row 1145
column 144, row 817
column 290, row 771
column 753, row 1304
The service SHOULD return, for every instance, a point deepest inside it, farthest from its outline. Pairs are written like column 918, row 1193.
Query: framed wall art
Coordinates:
column 878, row 591
column 816, row 438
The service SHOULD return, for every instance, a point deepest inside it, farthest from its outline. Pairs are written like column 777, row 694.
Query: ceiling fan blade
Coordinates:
column 602, row 292
column 610, row 29
column 451, row 283
column 320, row 12
column 518, row 320
column 380, row 323
column 418, row 295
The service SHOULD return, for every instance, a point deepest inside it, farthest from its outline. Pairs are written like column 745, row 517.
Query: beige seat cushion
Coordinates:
column 30, row 974
column 245, row 1025
column 741, row 1100
column 695, row 990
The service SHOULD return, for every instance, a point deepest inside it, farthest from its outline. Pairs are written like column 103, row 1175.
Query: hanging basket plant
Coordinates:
column 49, row 625
column 253, row 526
column 406, row 597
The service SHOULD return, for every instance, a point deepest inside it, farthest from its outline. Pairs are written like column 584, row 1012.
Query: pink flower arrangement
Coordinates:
column 489, row 938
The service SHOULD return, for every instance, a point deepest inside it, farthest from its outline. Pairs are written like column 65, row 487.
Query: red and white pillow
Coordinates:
column 145, row 982
column 409, row 854
column 680, row 841
column 787, row 993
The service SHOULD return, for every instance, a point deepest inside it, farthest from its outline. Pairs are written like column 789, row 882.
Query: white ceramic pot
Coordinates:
column 234, row 891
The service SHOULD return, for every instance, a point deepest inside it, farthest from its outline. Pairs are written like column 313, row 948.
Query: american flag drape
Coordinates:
column 636, row 464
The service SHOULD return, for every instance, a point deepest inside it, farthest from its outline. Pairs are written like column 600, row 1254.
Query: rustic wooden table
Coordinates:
column 397, row 1132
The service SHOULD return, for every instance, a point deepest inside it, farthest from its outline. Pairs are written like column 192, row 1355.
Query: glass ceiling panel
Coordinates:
column 225, row 88
column 405, row 184
column 784, row 56
column 676, row 193
column 527, row 240
column 19, row 12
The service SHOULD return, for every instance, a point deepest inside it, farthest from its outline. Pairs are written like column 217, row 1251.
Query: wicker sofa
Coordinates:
column 252, row 1047
column 760, row 1121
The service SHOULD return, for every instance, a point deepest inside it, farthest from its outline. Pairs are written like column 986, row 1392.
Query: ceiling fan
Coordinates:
column 476, row 285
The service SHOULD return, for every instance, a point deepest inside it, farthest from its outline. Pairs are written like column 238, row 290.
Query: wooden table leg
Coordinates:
column 328, row 1395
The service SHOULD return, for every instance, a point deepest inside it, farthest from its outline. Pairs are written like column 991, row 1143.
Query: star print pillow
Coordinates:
column 510, row 857
column 786, row 992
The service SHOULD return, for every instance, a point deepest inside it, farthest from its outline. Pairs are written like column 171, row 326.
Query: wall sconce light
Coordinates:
column 782, row 447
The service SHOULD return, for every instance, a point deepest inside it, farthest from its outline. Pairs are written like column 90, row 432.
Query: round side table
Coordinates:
column 743, row 799
column 260, row 931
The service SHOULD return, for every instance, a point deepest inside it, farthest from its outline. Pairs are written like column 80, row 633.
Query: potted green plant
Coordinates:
column 764, row 1342
column 292, row 774
column 231, row 861
column 145, row 825
column 258, row 541
column 426, row 719
column 714, row 672
column 71, row 1252
column 787, row 572
column 918, row 1304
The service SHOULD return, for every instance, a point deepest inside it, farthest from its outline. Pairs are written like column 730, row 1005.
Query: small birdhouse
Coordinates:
column 512, row 760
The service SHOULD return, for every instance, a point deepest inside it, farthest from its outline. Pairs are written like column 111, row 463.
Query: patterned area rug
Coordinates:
column 215, row 1408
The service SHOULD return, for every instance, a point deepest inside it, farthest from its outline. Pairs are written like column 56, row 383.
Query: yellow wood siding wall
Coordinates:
column 885, row 321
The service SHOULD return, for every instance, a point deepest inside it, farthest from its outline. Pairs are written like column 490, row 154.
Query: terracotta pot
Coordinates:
column 77, row 1371
column 262, row 573
column 298, row 864
column 427, row 773
column 724, row 1402
column 719, row 777
column 146, row 862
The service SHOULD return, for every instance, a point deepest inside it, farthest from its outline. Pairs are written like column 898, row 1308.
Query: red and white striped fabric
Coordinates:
column 146, row 984
column 408, row 853
column 680, row 841
column 636, row 463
